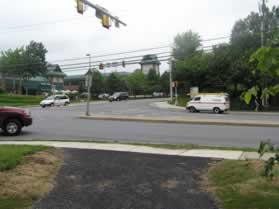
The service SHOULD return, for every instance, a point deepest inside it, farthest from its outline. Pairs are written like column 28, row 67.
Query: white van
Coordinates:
column 218, row 103
column 55, row 100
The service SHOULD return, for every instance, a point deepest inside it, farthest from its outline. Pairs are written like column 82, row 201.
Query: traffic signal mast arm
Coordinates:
column 103, row 11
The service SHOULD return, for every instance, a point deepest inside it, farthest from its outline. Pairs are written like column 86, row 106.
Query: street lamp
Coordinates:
column 89, row 56
column 171, row 61
column 88, row 82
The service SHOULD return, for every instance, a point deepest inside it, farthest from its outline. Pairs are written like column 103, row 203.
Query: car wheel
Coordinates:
column 192, row 109
column 43, row 106
column 66, row 103
column 51, row 105
column 12, row 127
column 216, row 110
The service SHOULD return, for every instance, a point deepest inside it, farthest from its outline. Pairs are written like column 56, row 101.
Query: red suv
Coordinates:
column 13, row 119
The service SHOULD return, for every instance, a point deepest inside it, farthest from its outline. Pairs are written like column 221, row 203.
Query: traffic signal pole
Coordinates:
column 171, row 87
column 101, row 13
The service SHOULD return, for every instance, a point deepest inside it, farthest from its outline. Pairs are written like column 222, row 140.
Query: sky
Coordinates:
column 67, row 34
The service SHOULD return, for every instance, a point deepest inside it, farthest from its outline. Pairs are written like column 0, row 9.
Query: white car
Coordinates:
column 158, row 94
column 103, row 96
column 218, row 103
column 55, row 100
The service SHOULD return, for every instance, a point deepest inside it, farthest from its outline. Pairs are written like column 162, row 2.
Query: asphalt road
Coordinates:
column 61, row 123
column 117, row 180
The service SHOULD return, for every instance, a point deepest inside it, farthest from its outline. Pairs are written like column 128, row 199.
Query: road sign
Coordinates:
column 175, row 84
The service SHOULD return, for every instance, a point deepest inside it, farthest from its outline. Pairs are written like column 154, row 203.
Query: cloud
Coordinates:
column 67, row 34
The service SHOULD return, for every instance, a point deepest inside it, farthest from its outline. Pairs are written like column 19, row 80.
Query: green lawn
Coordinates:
column 19, row 100
column 12, row 155
column 240, row 185
column 14, row 203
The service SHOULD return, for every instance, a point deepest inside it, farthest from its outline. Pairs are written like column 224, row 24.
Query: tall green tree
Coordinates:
column 186, row 44
column 267, row 66
column 153, row 82
column 136, row 82
column 165, row 82
column 24, row 62
column 98, row 83
column 114, row 83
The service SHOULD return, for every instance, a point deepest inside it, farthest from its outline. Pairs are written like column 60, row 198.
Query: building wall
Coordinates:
column 146, row 68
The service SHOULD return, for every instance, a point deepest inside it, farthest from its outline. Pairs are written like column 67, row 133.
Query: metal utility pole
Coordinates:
column 262, row 12
column 171, row 87
column 88, row 81
column 262, row 8
column 176, row 95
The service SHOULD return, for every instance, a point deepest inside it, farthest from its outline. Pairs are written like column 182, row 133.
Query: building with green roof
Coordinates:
column 148, row 62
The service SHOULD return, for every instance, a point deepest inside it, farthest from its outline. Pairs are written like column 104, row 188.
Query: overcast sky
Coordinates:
column 67, row 34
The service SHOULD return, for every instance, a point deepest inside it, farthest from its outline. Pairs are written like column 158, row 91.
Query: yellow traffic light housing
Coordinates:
column 80, row 6
column 106, row 21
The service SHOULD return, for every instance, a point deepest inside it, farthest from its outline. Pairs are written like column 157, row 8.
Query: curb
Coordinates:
column 198, row 153
column 182, row 121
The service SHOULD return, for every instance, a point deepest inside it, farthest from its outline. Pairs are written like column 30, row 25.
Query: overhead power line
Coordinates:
column 119, row 64
column 98, row 56
column 110, row 60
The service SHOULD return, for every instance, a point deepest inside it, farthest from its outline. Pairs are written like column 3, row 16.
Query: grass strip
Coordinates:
column 12, row 155
column 241, row 185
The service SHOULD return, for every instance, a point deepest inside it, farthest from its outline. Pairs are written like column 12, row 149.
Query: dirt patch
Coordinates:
column 33, row 178
column 169, row 184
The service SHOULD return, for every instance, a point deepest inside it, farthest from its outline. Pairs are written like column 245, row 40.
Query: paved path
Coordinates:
column 61, row 123
column 116, row 180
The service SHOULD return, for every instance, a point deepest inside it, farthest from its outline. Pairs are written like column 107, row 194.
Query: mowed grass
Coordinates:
column 14, row 203
column 240, row 185
column 27, row 174
column 12, row 155
column 19, row 100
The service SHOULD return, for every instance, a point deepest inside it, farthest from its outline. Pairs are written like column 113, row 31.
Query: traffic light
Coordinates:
column 101, row 66
column 80, row 6
column 106, row 21
column 123, row 64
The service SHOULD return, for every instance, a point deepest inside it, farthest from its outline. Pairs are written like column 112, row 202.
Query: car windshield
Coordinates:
column 50, row 98
column 116, row 94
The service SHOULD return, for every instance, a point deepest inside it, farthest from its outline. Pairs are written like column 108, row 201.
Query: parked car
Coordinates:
column 158, row 94
column 118, row 96
column 56, row 100
column 13, row 119
column 103, row 96
column 218, row 103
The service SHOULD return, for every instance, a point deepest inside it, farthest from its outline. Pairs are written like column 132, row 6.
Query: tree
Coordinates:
column 24, row 62
column 186, row 44
column 136, row 82
column 267, row 67
column 193, row 70
column 114, row 84
column 153, row 82
column 165, row 82
column 98, row 85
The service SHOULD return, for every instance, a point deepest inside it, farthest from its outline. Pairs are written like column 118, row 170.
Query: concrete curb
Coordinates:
column 182, row 120
column 216, row 154
column 199, row 153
